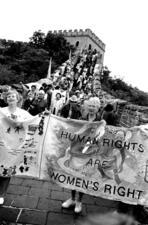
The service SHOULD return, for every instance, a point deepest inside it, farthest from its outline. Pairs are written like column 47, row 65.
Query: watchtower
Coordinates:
column 84, row 39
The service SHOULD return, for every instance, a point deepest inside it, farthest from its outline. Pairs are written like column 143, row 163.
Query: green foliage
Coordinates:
column 6, row 75
column 29, row 62
column 38, row 39
column 57, row 47
column 55, row 44
column 119, row 89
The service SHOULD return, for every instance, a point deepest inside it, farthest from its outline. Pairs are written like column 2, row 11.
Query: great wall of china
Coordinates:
column 129, row 114
column 83, row 39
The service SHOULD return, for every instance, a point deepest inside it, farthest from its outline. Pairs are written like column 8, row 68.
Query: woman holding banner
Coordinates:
column 16, row 116
column 93, row 105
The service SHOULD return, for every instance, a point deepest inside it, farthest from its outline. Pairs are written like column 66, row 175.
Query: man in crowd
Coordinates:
column 71, row 109
column 39, row 104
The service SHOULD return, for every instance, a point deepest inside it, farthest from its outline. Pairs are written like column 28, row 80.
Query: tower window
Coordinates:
column 77, row 43
column 89, row 47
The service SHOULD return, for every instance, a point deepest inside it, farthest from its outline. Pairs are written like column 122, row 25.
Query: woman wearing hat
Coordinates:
column 71, row 109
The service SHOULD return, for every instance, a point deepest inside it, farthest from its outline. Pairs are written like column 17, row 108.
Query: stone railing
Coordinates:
column 132, row 115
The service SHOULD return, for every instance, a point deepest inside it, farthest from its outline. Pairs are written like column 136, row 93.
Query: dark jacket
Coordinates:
column 37, row 106
column 49, row 98
column 75, row 112
column 111, row 118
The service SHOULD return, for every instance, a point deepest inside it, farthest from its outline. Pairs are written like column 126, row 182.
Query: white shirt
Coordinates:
column 57, row 105
column 19, row 115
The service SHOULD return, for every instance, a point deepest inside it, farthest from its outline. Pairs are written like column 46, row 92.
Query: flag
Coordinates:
column 70, row 56
column 49, row 69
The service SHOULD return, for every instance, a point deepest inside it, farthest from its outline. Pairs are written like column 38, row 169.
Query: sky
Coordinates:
column 120, row 24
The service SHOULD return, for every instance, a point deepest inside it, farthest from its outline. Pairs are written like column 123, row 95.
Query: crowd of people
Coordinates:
column 70, row 93
column 68, row 89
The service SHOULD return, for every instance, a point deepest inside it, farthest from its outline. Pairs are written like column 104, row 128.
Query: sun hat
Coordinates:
column 73, row 98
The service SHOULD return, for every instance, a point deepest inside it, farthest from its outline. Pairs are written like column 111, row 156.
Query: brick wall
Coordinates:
column 131, row 115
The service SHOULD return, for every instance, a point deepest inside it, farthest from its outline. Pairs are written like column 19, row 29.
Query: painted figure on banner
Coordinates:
column 82, row 148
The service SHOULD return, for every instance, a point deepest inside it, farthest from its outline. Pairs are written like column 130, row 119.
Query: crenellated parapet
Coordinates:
column 80, row 33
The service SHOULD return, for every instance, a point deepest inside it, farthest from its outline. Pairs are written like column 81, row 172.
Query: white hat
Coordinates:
column 41, row 92
column 73, row 98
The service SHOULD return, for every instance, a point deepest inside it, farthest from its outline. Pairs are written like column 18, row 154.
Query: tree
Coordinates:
column 6, row 75
column 56, row 45
column 119, row 89
column 34, row 64
column 38, row 39
column 20, row 58
column 15, row 50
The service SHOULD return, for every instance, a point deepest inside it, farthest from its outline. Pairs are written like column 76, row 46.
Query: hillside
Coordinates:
column 121, row 90
column 28, row 62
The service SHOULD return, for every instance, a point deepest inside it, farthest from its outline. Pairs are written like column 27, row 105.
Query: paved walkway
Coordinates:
column 31, row 201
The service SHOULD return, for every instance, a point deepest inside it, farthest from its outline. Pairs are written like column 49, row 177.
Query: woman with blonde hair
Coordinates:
column 13, row 111
column 17, row 115
column 92, row 108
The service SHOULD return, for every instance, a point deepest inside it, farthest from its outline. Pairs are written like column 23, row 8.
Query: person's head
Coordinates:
column 41, row 94
column 97, row 86
column 73, row 100
column 57, row 87
column 77, row 93
column 12, row 97
column 102, row 99
column 33, row 87
column 109, row 108
column 58, row 96
column 93, row 105
column 109, row 219
column 29, row 95
column 50, row 87
column 44, row 85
